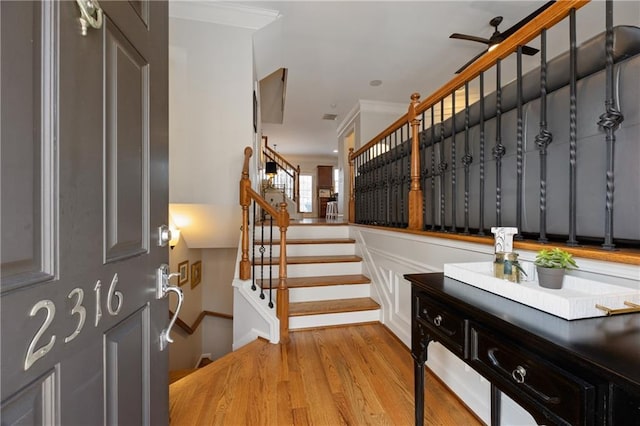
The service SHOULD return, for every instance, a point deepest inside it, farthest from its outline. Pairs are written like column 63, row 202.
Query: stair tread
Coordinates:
column 324, row 280
column 301, row 260
column 312, row 241
column 332, row 306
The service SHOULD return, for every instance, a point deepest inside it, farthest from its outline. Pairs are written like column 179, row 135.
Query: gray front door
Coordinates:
column 84, row 189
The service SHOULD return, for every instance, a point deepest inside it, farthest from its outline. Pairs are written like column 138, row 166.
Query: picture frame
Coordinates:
column 196, row 273
column 183, row 270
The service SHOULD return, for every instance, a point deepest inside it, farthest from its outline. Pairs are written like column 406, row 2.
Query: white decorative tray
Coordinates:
column 576, row 299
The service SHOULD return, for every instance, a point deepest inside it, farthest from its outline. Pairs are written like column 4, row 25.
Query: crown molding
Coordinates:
column 215, row 12
column 364, row 105
column 386, row 107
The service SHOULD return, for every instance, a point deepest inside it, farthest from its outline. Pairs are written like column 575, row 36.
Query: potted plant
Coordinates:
column 551, row 264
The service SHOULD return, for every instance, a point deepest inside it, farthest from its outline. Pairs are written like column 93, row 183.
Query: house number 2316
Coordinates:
column 34, row 352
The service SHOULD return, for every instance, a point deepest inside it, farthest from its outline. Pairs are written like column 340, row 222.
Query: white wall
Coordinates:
column 365, row 121
column 185, row 350
column 377, row 116
column 217, row 333
column 309, row 166
column 389, row 255
column 214, row 293
column 211, row 119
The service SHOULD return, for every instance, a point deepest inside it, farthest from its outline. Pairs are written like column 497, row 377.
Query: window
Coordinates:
column 306, row 191
column 336, row 179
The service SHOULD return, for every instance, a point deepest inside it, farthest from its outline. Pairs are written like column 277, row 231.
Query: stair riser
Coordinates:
column 325, row 320
column 307, row 232
column 315, row 269
column 311, row 250
column 308, row 294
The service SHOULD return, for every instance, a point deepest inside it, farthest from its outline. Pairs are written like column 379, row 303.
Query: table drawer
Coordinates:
column 558, row 395
column 446, row 325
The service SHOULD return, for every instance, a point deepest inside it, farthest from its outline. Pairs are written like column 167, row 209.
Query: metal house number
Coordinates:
column 34, row 354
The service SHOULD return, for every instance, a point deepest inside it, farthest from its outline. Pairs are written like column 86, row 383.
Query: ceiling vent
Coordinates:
column 330, row 117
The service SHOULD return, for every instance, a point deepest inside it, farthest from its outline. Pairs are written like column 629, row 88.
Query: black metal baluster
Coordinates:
column 610, row 121
column 369, row 187
column 271, row 261
column 361, row 178
column 395, row 199
column 519, row 143
column 573, row 133
column 544, row 138
column 358, row 187
column 365, row 188
column 453, row 162
column 441, row 168
column 355, row 183
column 262, row 250
column 425, row 169
column 378, row 168
column 498, row 149
column 387, row 181
column 374, row 185
column 363, row 181
column 433, row 169
column 467, row 158
column 481, row 200
column 402, row 176
column 253, row 250
column 407, row 175
column 381, row 201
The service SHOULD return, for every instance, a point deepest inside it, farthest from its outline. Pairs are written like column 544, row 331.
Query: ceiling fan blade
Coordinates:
column 526, row 50
column 469, row 37
column 526, row 20
column 471, row 61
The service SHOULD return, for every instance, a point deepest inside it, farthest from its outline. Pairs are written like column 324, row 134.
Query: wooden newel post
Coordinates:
column 416, row 216
column 282, row 297
column 245, row 201
column 352, row 195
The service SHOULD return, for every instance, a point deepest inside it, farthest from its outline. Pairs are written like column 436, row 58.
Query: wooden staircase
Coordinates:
column 325, row 279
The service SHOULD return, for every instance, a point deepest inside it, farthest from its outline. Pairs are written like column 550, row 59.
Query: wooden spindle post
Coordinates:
column 416, row 217
column 245, row 201
column 282, row 297
column 352, row 192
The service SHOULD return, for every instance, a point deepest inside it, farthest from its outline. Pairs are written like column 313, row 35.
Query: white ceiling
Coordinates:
column 333, row 49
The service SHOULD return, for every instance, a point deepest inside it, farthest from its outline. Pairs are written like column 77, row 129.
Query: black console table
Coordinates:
column 580, row 372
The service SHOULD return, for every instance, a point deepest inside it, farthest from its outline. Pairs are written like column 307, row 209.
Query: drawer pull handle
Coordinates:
column 437, row 321
column 518, row 374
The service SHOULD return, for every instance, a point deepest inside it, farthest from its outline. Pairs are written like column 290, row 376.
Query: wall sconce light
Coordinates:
column 271, row 168
column 175, row 237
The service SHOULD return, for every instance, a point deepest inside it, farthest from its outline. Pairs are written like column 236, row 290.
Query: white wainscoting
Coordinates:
column 389, row 255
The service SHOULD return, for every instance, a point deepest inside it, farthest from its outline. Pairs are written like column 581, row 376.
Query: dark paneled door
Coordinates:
column 84, row 190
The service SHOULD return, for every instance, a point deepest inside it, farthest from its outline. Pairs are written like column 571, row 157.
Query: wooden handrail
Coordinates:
column 269, row 157
column 280, row 160
column 247, row 194
column 280, row 157
column 192, row 329
column 554, row 14
column 629, row 256
column 549, row 17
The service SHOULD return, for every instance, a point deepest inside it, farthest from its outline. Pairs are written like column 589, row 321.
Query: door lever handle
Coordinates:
column 162, row 289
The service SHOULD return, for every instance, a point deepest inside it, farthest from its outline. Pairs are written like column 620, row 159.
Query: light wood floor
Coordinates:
column 355, row 375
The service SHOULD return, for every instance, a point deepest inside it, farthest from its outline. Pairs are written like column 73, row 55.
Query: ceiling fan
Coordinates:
column 498, row 37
